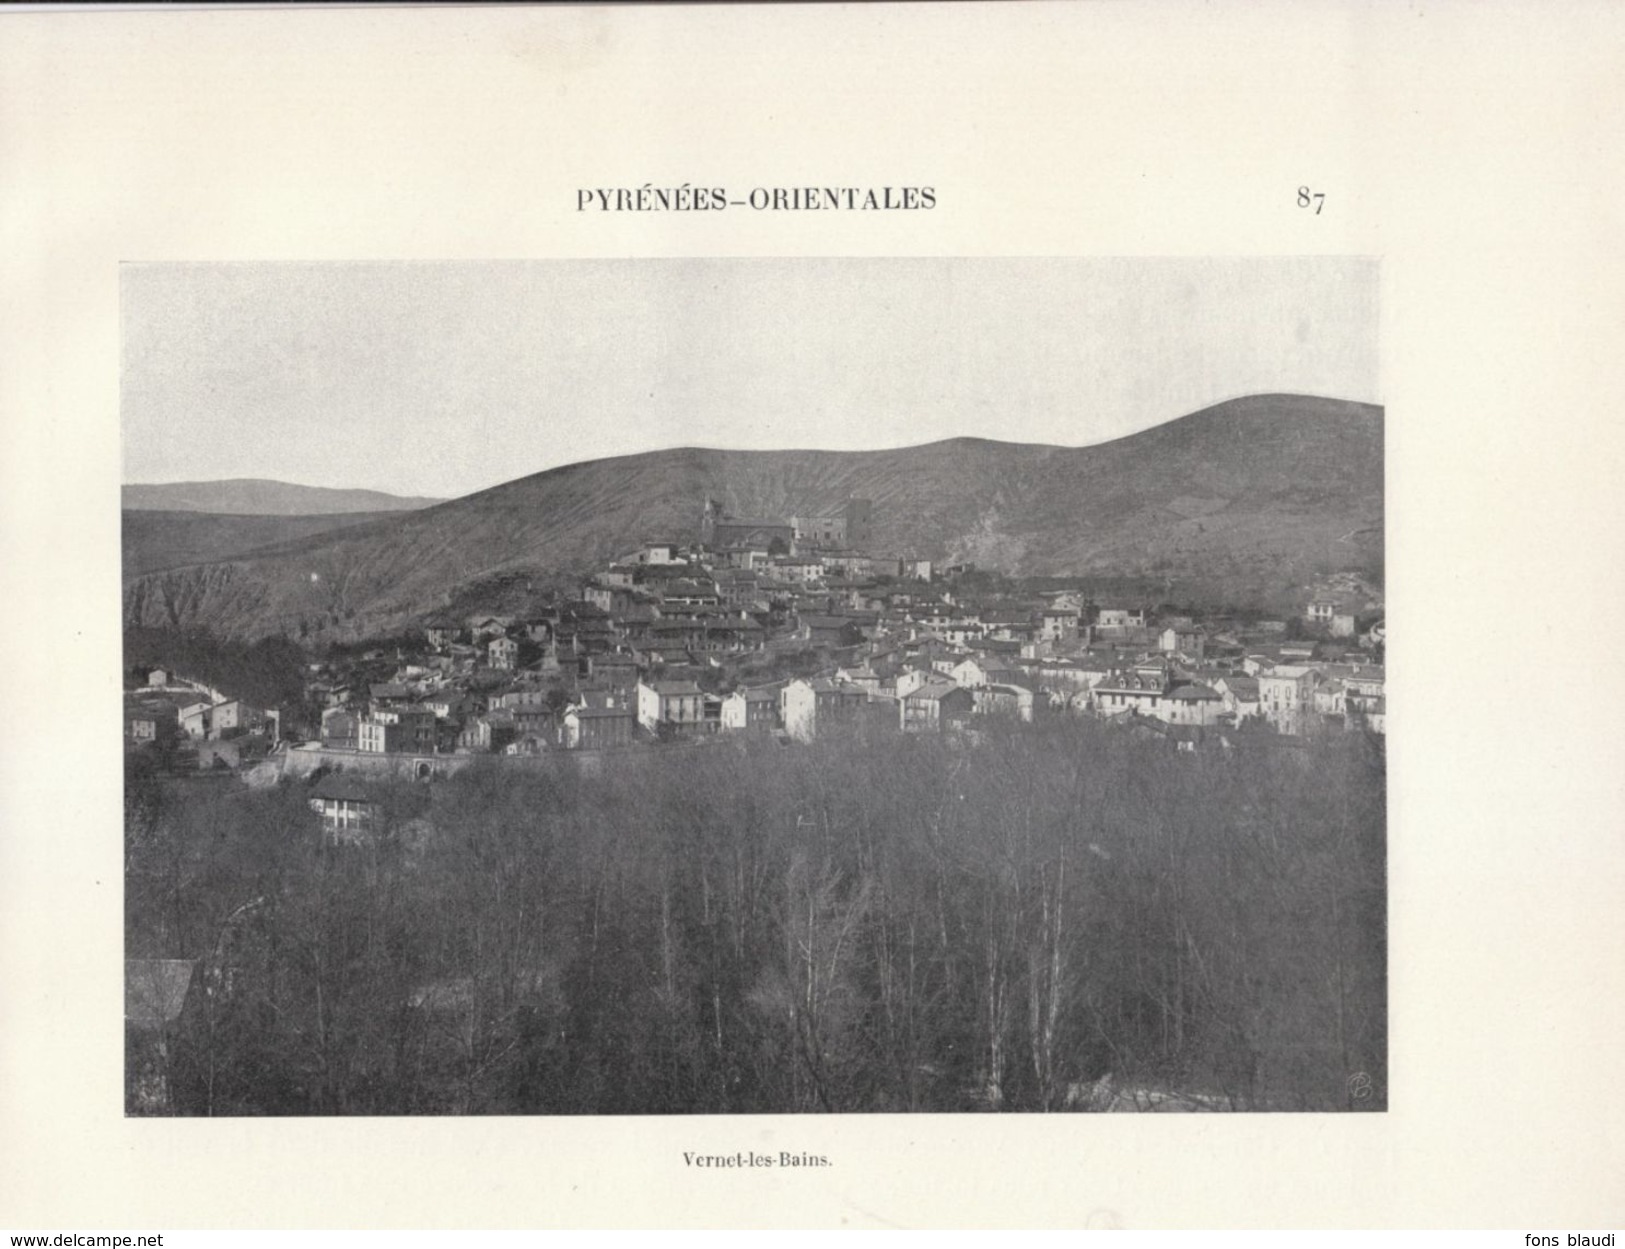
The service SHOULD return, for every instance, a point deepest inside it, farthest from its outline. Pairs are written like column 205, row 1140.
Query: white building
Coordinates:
column 504, row 653
column 1286, row 696
column 750, row 709
column 670, row 702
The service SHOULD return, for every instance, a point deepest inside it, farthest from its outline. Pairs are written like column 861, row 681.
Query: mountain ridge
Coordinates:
column 158, row 541
column 261, row 496
column 1246, row 498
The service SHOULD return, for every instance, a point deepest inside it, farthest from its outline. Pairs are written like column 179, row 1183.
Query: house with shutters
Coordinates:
column 1189, row 642
column 503, row 653
column 1286, row 696
column 1067, row 677
column 756, row 710
column 408, row 730
column 1012, row 701
column 1240, row 695
column 1192, row 704
column 807, row 708
column 670, row 704
column 1139, row 688
column 533, row 720
column 1060, row 624
column 1119, row 620
column 227, row 719
column 475, row 736
column 151, row 722
column 1366, row 686
column 351, row 810
column 983, row 670
column 440, row 633
column 597, row 728
column 935, row 705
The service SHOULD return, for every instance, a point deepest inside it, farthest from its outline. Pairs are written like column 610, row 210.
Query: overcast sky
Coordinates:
column 442, row 379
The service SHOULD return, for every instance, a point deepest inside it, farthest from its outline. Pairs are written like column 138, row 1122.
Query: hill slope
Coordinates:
column 1242, row 501
column 254, row 496
column 154, row 541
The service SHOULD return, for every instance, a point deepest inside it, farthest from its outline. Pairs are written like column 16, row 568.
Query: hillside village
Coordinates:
column 964, row 777
column 792, row 627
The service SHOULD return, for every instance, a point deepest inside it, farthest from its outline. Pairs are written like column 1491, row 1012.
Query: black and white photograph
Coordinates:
column 754, row 686
column 539, row 707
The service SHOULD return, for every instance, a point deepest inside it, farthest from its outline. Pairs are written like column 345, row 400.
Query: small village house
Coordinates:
column 983, row 670
column 227, row 719
column 475, row 735
column 1286, row 694
column 1012, row 701
column 1191, row 643
column 1240, row 695
column 1140, row 688
column 1193, row 704
column 351, row 812
column 1059, row 624
column 151, row 722
column 440, row 634
column 658, row 552
column 750, row 709
column 410, row 730
column 935, row 705
column 677, row 704
column 597, row 728
column 1119, row 620
column 533, row 720
column 807, row 706
column 1330, row 698
column 504, row 653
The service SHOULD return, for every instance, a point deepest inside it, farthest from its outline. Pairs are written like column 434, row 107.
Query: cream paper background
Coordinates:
column 1475, row 149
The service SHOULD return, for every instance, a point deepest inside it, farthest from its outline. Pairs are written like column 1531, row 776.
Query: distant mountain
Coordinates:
column 1243, row 502
column 154, row 541
column 253, row 496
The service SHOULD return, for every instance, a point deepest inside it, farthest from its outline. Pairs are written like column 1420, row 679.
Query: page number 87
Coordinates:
column 1307, row 197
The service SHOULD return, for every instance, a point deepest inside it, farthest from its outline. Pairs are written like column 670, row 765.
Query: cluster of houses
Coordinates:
column 793, row 627
column 786, row 627
column 194, row 722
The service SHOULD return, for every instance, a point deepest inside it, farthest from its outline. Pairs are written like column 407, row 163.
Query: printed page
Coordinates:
column 810, row 616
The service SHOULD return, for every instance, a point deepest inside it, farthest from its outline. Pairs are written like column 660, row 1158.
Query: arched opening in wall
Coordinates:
column 424, row 771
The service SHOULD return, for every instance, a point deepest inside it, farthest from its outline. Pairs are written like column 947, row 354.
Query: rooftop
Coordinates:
column 672, row 688
column 933, row 689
